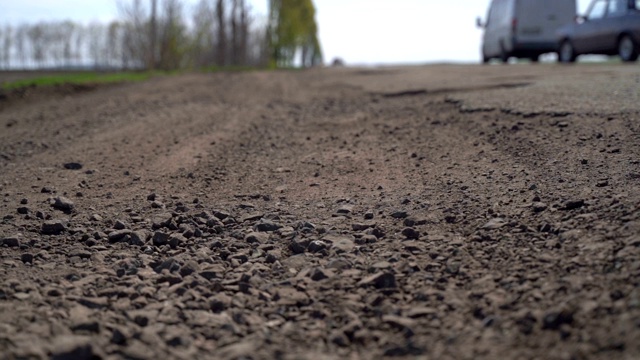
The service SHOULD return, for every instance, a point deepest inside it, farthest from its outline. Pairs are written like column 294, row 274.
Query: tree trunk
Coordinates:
column 153, row 35
column 222, row 34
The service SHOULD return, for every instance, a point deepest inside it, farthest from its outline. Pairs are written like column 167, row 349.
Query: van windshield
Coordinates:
column 501, row 12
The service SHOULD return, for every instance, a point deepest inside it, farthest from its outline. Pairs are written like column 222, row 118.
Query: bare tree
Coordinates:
column 222, row 34
column 2, row 51
column 97, row 48
column 153, row 35
column 35, row 35
column 203, row 37
column 136, row 36
column 20, row 40
column 172, row 35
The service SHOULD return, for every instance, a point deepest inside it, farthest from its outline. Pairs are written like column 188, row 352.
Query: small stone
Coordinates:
column 271, row 259
column 118, row 337
column 119, row 235
column 368, row 215
column 266, row 226
column 362, row 226
column 251, row 217
column 73, row 166
column 96, row 217
column 119, row 225
column 318, row 274
column 411, row 233
column 63, row 204
column 602, row 183
column 345, row 209
column 383, row 280
column 27, row 258
column 24, row 201
column 53, row 227
column 160, row 238
column 23, row 210
column 176, row 240
column 573, row 204
column 89, row 326
column 539, row 207
column 138, row 238
column 256, row 238
column 553, row 320
column 399, row 214
column 298, row 246
column 189, row 268
column 11, row 241
column 412, row 221
column 367, row 239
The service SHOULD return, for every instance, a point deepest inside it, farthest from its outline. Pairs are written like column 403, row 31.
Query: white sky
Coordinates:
column 358, row 31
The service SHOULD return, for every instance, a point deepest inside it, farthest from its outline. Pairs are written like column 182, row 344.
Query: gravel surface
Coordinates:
column 438, row 212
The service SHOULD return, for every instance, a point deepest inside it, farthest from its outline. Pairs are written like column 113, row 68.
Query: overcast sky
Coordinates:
column 359, row 31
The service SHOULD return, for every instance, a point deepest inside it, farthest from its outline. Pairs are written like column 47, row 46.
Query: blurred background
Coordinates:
column 187, row 33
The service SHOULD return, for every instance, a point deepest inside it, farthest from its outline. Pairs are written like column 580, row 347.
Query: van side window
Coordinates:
column 637, row 4
column 617, row 8
column 598, row 10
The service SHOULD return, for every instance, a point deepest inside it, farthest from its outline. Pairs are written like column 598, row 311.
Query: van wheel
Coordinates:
column 504, row 57
column 535, row 59
column 567, row 53
column 627, row 49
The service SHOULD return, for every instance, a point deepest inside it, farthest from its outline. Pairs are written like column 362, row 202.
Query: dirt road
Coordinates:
column 439, row 212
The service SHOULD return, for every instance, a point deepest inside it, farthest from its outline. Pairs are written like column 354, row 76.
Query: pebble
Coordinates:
column 11, row 241
column 176, row 240
column 119, row 235
column 573, row 204
column 539, row 207
column 138, row 238
column 27, row 258
column 256, row 238
column 160, row 238
column 345, row 209
column 63, row 204
column 399, row 214
column 73, row 166
column 53, row 227
column 411, row 233
column 266, row 226
column 382, row 280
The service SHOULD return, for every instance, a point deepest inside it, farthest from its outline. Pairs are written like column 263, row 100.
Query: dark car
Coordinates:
column 611, row 27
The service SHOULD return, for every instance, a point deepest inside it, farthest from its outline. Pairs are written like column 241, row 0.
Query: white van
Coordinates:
column 524, row 28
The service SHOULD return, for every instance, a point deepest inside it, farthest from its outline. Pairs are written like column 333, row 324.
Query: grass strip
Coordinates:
column 78, row 79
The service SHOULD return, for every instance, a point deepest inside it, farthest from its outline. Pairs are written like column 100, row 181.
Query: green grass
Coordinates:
column 78, row 79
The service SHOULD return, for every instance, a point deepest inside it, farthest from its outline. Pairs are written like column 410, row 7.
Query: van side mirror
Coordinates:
column 479, row 22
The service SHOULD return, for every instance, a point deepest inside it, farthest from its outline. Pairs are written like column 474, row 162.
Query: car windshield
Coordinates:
column 617, row 7
column 598, row 9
